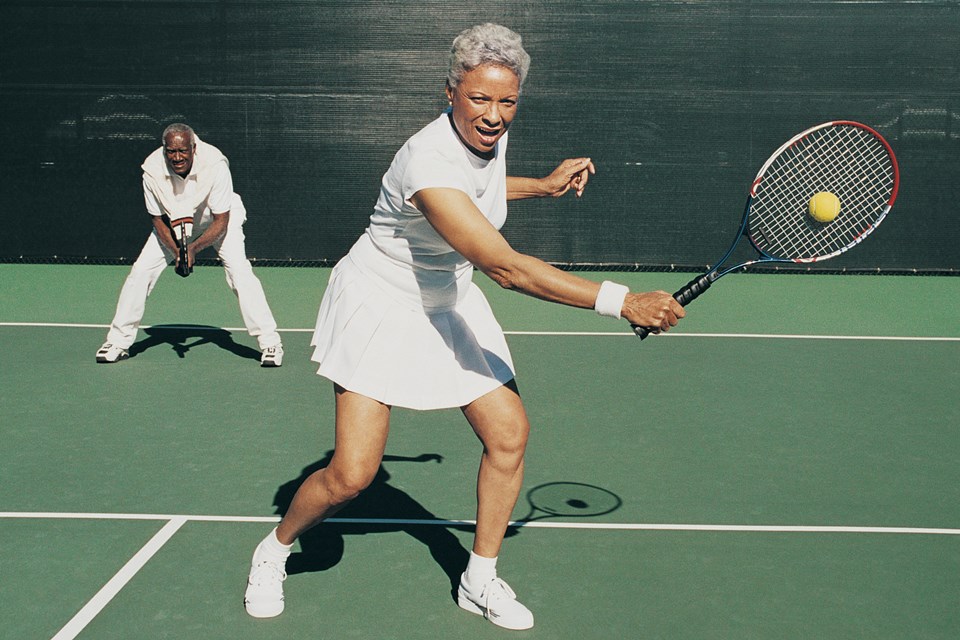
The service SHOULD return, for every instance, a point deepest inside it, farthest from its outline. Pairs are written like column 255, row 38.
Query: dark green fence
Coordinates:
column 678, row 103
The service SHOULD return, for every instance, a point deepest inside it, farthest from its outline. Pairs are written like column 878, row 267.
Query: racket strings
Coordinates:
column 827, row 239
column 810, row 168
column 819, row 164
column 846, row 160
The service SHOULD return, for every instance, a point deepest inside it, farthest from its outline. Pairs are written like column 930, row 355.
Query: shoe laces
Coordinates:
column 267, row 574
column 497, row 590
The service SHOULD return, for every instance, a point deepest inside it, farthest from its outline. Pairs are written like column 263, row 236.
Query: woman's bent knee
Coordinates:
column 345, row 485
column 508, row 443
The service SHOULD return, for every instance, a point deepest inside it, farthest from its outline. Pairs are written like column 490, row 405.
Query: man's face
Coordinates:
column 178, row 148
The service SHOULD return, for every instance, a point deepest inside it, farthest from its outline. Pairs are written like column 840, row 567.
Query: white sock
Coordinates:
column 480, row 569
column 272, row 549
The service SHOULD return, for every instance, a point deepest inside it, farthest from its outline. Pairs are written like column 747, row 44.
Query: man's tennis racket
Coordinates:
column 844, row 159
column 181, row 231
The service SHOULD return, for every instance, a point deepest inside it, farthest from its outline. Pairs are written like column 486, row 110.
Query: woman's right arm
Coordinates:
column 463, row 226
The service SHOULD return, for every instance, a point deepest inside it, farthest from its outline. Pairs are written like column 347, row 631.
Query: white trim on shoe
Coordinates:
column 110, row 353
column 272, row 356
column 496, row 602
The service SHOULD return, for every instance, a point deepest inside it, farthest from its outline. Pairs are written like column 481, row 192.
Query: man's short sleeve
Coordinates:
column 221, row 193
column 150, row 200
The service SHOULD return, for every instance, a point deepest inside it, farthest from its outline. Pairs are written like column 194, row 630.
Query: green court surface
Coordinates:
column 783, row 465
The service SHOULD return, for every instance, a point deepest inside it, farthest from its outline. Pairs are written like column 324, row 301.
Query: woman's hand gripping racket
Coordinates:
column 818, row 195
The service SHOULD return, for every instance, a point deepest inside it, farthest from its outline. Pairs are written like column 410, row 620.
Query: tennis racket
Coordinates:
column 181, row 233
column 846, row 159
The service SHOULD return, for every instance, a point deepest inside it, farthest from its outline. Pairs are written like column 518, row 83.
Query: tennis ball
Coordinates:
column 824, row 206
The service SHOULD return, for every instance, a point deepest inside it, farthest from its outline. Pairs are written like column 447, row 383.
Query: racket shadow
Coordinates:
column 321, row 548
column 181, row 338
column 567, row 500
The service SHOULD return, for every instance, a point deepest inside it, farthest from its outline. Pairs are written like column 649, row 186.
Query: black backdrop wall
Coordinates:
column 678, row 103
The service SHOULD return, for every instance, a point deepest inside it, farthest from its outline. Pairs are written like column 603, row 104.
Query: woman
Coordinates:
column 401, row 323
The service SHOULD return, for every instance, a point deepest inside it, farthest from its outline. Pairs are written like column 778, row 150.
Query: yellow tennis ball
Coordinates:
column 824, row 206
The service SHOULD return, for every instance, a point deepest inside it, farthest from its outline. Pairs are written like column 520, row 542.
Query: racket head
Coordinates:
column 846, row 158
column 182, row 228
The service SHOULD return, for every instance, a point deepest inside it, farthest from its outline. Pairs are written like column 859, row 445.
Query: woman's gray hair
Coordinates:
column 177, row 127
column 487, row 44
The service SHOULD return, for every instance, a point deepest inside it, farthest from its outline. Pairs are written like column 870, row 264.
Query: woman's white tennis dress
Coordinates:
column 401, row 320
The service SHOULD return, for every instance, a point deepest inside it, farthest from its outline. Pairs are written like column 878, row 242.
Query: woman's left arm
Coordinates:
column 572, row 173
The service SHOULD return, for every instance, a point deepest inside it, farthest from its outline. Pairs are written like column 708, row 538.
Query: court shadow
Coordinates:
column 183, row 337
column 322, row 546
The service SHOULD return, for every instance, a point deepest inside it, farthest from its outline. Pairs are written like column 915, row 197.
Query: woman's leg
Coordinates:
column 500, row 421
column 362, row 425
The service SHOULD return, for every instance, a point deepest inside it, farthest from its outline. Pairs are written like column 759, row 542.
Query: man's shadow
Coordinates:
column 183, row 337
column 322, row 546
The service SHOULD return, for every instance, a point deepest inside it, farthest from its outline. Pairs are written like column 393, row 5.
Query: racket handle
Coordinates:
column 183, row 269
column 684, row 296
column 692, row 290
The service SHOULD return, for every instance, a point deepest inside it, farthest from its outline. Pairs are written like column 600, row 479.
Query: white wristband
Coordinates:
column 610, row 299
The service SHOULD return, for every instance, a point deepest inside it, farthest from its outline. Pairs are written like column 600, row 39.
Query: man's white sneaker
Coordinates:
column 111, row 353
column 495, row 601
column 272, row 356
column 264, row 595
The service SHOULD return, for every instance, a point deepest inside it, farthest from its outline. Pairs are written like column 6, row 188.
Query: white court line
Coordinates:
column 778, row 336
column 103, row 597
column 733, row 528
column 173, row 523
column 57, row 515
column 617, row 334
column 54, row 324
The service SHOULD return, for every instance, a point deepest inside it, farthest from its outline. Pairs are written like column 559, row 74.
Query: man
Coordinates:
column 189, row 180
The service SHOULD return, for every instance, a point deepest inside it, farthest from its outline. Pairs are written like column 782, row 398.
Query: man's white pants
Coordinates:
column 154, row 258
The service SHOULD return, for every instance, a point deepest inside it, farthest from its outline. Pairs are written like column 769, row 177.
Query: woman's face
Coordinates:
column 484, row 105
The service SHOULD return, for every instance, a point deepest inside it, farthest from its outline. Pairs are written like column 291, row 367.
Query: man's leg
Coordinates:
column 256, row 313
column 140, row 281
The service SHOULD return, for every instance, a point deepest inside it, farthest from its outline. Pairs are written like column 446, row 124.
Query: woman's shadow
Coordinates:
column 322, row 546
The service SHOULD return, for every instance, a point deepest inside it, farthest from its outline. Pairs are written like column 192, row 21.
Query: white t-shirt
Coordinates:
column 418, row 260
column 207, row 189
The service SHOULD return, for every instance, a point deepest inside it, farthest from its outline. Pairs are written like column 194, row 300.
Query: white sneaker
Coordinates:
column 495, row 601
column 111, row 353
column 272, row 356
column 264, row 595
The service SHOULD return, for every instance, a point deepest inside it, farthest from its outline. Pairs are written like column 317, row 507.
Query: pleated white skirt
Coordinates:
column 372, row 342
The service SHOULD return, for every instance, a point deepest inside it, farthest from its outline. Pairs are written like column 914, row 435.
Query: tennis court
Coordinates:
column 782, row 465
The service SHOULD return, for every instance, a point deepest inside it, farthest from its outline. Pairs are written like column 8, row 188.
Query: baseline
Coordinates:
column 768, row 336
column 181, row 519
